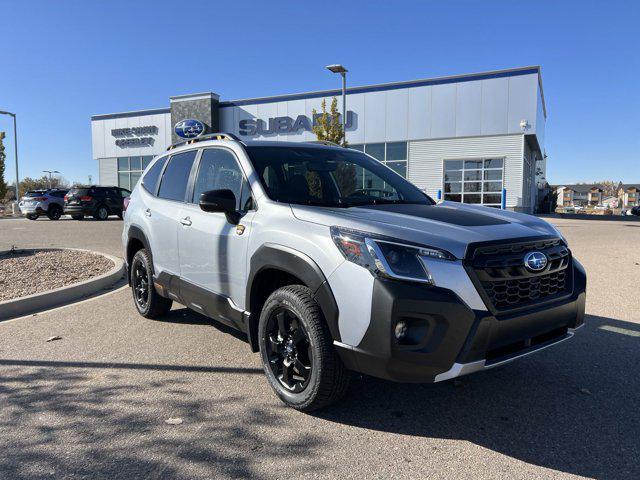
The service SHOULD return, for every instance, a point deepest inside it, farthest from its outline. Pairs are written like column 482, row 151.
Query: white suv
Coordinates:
column 287, row 243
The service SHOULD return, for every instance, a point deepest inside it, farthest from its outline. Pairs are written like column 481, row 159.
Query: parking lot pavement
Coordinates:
column 94, row 403
column 103, row 236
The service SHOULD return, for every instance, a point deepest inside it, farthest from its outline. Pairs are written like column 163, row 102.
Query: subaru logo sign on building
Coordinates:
column 535, row 261
column 189, row 128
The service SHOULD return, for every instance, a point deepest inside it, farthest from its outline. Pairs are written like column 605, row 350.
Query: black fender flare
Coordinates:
column 298, row 264
column 135, row 233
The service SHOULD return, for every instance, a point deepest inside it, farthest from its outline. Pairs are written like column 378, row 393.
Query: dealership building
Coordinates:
column 465, row 138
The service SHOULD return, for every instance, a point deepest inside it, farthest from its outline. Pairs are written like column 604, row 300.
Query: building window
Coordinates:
column 392, row 154
column 130, row 169
column 476, row 181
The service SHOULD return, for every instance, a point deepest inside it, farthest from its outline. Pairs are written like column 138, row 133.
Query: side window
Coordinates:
column 150, row 180
column 173, row 185
column 124, row 193
column 219, row 170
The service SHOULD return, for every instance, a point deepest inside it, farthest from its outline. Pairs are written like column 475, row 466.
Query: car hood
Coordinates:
column 448, row 225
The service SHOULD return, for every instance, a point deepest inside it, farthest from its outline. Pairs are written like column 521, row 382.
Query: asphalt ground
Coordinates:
column 94, row 404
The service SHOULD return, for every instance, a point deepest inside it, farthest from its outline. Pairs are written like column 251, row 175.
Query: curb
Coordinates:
column 60, row 296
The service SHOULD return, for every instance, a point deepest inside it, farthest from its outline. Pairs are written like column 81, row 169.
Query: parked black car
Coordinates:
column 636, row 211
column 96, row 201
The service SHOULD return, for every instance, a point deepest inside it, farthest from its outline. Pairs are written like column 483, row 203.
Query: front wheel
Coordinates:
column 297, row 351
column 150, row 304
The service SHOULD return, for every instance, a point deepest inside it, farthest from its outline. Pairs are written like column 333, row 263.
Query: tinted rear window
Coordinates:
column 173, row 185
column 34, row 194
column 78, row 191
column 150, row 180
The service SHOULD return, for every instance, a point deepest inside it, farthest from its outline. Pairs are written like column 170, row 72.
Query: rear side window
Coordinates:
column 173, row 185
column 150, row 180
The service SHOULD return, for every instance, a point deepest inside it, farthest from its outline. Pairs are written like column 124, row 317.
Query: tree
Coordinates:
column 609, row 188
column 327, row 126
column 42, row 183
column 3, row 184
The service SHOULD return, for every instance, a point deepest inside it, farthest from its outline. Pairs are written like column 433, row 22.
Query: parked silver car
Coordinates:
column 43, row 202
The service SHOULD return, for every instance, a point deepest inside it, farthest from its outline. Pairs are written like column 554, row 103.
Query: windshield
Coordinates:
column 329, row 177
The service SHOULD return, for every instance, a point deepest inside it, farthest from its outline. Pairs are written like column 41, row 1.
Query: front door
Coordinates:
column 213, row 252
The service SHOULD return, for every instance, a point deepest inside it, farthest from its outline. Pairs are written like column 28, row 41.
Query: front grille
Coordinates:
column 507, row 294
column 501, row 277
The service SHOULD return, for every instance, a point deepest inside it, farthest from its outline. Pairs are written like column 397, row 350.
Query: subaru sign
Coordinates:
column 280, row 125
column 535, row 261
column 189, row 128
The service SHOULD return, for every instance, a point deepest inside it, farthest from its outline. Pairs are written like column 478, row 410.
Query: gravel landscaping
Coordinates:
column 25, row 272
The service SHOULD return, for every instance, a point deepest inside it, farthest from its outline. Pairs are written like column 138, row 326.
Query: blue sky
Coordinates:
column 63, row 61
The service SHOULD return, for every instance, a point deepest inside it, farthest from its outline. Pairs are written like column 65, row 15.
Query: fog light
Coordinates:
column 401, row 330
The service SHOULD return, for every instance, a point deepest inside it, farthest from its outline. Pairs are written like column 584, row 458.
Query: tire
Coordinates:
column 32, row 216
column 101, row 213
column 322, row 378
column 77, row 217
column 148, row 302
column 54, row 212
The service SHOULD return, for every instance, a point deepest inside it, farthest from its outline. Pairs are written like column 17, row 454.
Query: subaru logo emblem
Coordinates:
column 189, row 128
column 535, row 261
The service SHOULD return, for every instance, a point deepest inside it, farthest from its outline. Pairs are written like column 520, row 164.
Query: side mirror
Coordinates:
column 220, row 201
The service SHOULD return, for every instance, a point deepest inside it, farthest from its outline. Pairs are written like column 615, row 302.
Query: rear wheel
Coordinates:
column 77, row 217
column 102, row 213
column 149, row 303
column 54, row 212
column 297, row 351
column 32, row 216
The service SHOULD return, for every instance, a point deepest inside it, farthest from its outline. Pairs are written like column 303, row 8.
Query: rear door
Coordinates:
column 163, row 212
column 213, row 252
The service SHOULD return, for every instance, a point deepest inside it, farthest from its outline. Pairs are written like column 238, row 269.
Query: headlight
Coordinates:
column 385, row 257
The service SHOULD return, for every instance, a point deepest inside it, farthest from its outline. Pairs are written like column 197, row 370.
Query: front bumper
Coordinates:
column 447, row 339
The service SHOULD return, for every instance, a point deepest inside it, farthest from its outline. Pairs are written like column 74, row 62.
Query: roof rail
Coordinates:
column 325, row 142
column 203, row 138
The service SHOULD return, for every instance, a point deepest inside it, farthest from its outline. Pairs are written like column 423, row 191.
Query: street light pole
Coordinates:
column 15, row 145
column 50, row 172
column 337, row 68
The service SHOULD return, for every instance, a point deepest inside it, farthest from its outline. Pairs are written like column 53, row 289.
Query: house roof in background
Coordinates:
column 583, row 187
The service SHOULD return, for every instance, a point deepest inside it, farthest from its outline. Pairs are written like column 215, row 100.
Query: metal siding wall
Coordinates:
column 396, row 115
column 523, row 93
column 443, row 111
column 374, row 117
column 425, row 161
column 419, row 113
column 108, row 171
column 468, row 109
column 495, row 105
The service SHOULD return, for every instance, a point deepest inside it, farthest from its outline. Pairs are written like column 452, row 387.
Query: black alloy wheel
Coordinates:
column 102, row 213
column 140, row 283
column 54, row 213
column 289, row 350
column 148, row 302
column 296, row 347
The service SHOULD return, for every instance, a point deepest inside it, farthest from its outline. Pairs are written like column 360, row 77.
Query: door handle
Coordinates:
column 186, row 221
column 147, row 212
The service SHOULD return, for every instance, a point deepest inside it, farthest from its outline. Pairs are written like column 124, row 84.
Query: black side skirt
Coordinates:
column 213, row 305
